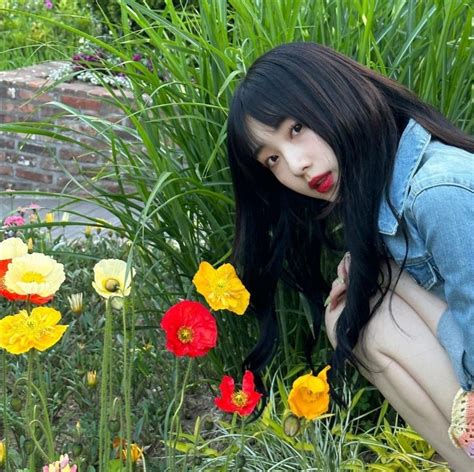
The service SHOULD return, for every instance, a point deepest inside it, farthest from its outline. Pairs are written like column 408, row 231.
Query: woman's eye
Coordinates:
column 296, row 128
column 271, row 160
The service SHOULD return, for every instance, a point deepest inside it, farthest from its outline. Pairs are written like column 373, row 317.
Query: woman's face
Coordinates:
column 298, row 158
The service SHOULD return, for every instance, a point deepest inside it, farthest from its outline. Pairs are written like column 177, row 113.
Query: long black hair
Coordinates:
column 280, row 234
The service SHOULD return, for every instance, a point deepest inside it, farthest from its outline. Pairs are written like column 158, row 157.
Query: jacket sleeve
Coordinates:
column 444, row 216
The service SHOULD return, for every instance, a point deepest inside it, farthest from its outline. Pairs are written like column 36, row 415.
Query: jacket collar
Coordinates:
column 411, row 148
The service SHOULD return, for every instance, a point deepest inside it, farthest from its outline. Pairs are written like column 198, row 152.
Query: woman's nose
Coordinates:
column 298, row 163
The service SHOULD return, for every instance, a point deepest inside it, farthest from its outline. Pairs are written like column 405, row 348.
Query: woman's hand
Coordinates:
column 339, row 286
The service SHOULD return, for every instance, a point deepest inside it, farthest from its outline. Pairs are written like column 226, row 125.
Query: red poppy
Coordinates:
column 35, row 299
column 243, row 401
column 190, row 329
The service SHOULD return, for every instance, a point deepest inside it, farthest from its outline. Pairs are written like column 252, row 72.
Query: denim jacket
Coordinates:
column 432, row 191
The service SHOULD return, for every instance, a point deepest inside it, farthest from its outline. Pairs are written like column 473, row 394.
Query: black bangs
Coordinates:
column 248, row 104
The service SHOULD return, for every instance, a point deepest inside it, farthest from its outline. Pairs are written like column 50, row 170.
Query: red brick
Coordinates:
column 33, row 176
column 49, row 110
column 8, row 105
column 6, row 170
column 81, row 103
column 7, row 118
column 7, row 143
column 35, row 95
column 36, row 84
column 78, row 155
column 27, row 107
column 10, row 157
column 53, row 164
column 63, row 181
column 38, row 150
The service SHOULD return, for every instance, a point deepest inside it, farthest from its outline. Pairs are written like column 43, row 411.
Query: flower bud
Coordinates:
column 196, row 459
column 291, row 425
column 29, row 446
column 240, row 461
column 16, row 403
column 114, row 425
column 207, row 423
column 76, row 303
column 76, row 449
column 116, row 303
column 91, row 378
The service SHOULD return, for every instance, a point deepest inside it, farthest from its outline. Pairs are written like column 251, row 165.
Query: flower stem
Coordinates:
column 41, row 391
column 175, row 421
column 5, row 416
column 242, row 436
column 104, row 436
column 29, row 407
column 126, row 388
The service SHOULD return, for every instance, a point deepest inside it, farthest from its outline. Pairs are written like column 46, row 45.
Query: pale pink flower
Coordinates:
column 30, row 207
column 62, row 465
column 14, row 220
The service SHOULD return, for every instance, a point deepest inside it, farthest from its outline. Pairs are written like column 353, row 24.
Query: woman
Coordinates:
column 312, row 135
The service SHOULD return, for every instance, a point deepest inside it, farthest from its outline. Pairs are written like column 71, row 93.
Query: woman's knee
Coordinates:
column 374, row 336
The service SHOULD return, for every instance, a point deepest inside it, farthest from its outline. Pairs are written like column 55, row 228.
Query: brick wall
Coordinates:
column 37, row 162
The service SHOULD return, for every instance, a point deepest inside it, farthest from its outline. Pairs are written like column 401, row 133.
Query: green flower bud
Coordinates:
column 16, row 403
column 240, row 461
column 29, row 446
column 291, row 425
column 76, row 449
column 114, row 425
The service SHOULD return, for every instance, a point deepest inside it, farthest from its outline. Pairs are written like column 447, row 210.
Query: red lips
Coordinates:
column 322, row 183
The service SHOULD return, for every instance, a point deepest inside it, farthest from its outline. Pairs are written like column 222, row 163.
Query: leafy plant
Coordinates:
column 174, row 201
column 25, row 40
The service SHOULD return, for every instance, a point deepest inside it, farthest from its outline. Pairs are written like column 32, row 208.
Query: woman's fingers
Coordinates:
column 343, row 267
column 339, row 286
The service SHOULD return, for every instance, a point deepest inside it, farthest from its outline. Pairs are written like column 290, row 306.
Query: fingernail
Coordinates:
column 327, row 301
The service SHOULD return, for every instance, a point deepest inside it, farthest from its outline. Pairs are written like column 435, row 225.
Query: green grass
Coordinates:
column 175, row 201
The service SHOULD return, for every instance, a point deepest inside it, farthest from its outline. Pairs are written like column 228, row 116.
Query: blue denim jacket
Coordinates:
column 432, row 191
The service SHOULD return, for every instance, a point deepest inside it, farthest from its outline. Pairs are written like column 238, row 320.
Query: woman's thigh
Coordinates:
column 397, row 334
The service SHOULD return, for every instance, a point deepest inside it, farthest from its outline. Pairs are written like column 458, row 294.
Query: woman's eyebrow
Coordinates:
column 258, row 150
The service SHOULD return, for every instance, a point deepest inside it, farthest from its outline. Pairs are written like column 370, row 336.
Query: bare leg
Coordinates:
column 412, row 370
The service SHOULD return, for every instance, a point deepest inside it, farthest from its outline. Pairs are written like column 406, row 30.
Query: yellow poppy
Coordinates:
column 34, row 273
column 112, row 279
column 21, row 332
column 222, row 288
column 49, row 218
column 309, row 396
column 12, row 247
column 136, row 452
column 3, row 453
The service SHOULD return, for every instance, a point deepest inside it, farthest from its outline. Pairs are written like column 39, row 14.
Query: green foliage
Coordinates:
column 25, row 40
column 175, row 203
column 175, row 198
column 337, row 441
